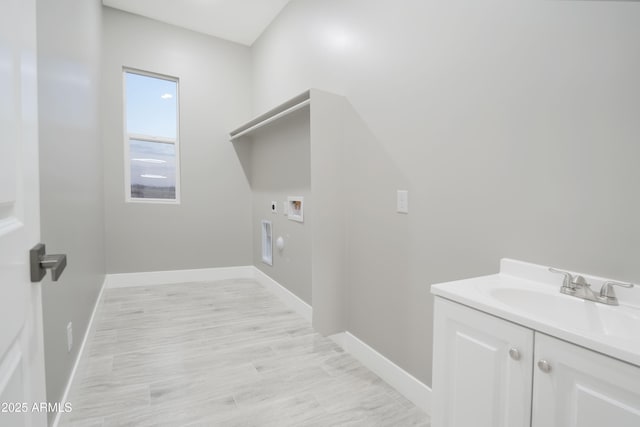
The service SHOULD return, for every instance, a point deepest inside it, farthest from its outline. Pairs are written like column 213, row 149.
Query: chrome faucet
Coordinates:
column 577, row 286
column 571, row 283
column 608, row 295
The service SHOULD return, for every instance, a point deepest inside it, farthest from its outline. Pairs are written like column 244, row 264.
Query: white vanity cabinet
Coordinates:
column 490, row 372
column 583, row 388
column 482, row 369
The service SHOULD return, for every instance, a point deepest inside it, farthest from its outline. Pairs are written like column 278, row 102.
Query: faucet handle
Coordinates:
column 568, row 277
column 607, row 290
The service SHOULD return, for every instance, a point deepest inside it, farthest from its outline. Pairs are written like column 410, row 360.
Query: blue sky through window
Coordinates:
column 151, row 105
column 151, row 111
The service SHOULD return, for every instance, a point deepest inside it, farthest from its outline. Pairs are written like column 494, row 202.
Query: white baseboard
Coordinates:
column 340, row 339
column 286, row 296
column 125, row 280
column 79, row 358
column 406, row 384
column 398, row 378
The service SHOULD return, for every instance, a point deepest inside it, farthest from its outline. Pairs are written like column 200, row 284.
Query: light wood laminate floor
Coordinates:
column 224, row 353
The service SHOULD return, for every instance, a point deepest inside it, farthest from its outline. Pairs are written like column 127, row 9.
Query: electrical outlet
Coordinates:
column 69, row 336
column 403, row 201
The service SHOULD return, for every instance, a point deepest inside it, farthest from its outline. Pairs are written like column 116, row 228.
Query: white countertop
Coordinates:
column 529, row 295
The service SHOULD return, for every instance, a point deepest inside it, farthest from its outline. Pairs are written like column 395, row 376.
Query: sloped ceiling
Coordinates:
column 240, row 21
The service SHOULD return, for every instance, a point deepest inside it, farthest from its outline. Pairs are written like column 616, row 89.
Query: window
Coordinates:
column 151, row 138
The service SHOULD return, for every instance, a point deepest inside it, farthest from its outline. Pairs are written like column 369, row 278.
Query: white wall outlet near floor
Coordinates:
column 403, row 201
column 274, row 207
column 69, row 336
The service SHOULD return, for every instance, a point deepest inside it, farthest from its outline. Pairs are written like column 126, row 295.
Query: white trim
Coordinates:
column 154, row 201
column 10, row 365
column 405, row 383
column 126, row 280
column 150, row 278
column 79, row 358
column 285, row 295
column 340, row 339
column 153, row 74
column 151, row 138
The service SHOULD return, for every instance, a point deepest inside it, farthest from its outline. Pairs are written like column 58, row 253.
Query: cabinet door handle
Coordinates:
column 514, row 353
column 544, row 366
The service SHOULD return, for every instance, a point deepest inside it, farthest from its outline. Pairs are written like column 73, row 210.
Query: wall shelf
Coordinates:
column 276, row 113
column 313, row 140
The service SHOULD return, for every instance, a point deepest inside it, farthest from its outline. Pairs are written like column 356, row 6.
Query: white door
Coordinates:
column 481, row 369
column 582, row 388
column 21, row 345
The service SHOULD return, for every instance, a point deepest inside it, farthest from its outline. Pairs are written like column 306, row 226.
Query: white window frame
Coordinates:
column 149, row 138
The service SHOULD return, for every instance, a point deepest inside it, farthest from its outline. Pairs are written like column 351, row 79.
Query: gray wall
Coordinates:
column 211, row 225
column 71, row 189
column 279, row 167
column 513, row 125
column 332, row 130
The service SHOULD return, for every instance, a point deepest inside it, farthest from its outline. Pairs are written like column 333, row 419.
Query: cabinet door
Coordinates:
column 583, row 388
column 476, row 382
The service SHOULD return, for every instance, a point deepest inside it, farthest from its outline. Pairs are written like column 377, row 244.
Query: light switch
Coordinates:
column 403, row 201
column 274, row 207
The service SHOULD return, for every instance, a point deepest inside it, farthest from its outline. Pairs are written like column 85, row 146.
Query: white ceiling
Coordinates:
column 241, row 21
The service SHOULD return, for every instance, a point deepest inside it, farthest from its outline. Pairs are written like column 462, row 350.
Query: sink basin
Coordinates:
column 615, row 321
column 529, row 295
